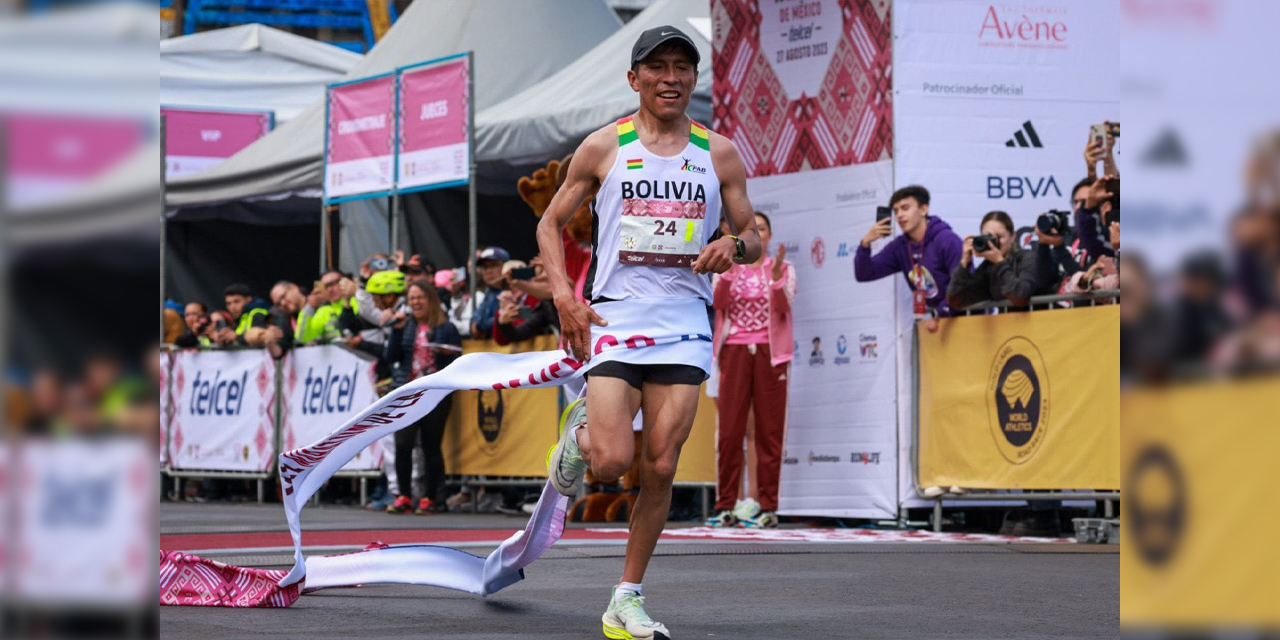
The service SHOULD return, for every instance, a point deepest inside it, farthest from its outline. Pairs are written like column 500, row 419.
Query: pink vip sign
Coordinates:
column 197, row 139
column 434, row 119
column 358, row 154
column 49, row 156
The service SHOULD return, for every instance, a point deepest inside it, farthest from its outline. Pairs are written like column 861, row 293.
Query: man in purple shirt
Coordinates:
column 925, row 254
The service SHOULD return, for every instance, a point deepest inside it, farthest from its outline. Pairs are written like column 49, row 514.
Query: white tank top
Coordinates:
column 651, row 218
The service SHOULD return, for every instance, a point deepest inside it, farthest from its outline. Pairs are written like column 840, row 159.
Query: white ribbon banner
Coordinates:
column 641, row 332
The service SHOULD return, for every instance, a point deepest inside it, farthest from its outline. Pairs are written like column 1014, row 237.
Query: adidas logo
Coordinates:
column 1167, row 150
column 1030, row 139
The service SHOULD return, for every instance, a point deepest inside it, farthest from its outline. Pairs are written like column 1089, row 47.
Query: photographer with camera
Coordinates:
column 1056, row 261
column 1006, row 273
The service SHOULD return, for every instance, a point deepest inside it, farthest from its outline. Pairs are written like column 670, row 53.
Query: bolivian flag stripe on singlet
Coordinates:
column 627, row 134
column 698, row 136
column 626, row 131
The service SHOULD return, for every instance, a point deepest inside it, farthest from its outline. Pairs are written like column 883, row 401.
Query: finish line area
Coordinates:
column 792, row 582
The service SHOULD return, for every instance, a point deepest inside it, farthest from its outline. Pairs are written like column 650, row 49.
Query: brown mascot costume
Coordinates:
column 604, row 503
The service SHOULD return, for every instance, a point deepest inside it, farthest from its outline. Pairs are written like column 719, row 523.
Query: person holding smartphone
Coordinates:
column 925, row 254
column 521, row 316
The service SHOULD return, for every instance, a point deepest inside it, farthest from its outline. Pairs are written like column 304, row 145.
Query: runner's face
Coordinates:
column 665, row 81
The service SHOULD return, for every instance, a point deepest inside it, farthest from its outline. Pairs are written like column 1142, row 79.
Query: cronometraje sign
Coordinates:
column 359, row 157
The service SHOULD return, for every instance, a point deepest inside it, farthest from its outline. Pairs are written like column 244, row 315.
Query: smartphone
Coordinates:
column 1098, row 134
column 523, row 273
column 883, row 213
column 1112, row 216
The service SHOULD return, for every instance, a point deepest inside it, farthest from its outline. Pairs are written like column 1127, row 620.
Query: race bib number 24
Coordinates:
column 661, row 233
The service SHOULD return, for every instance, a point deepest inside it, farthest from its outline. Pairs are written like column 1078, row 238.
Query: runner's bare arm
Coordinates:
column 718, row 256
column 589, row 165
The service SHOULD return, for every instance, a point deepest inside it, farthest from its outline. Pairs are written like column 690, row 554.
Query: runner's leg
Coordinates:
column 607, row 443
column 669, row 410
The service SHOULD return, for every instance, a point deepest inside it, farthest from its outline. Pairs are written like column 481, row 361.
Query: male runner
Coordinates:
column 663, row 180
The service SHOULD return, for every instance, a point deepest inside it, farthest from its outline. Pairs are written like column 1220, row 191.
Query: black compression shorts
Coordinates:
column 638, row 374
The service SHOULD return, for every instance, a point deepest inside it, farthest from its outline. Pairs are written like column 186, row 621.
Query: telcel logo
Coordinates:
column 217, row 396
column 329, row 392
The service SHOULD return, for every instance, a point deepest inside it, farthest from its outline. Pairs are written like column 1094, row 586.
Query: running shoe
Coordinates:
column 565, row 465
column 722, row 518
column 403, row 504
column 625, row 619
column 746, row 509
column 426, row 507
column 766, row 520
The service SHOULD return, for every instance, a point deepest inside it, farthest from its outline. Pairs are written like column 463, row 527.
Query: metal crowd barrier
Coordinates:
column 1040, row 304
column 178, row 474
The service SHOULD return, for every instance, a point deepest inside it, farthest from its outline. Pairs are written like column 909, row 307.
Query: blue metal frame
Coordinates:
column 324, row 156
column 399, row 115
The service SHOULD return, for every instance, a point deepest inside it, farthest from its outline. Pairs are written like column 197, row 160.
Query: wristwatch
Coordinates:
column 740, row 251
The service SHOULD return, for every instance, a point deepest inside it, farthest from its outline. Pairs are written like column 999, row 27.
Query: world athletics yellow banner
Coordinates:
column 1021, row 401
column 1198, row 526
column 508, row 432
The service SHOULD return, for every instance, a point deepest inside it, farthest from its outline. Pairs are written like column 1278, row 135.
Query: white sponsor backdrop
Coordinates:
column 971, row 76
column 323, row 387
column 839, row 452
column 224, row 408
column 84, row 521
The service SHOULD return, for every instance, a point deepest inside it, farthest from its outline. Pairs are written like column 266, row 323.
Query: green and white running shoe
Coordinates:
column 746, row 509
column 565, row 465
column 766, row 520
column 625, row 619
column 722, row 518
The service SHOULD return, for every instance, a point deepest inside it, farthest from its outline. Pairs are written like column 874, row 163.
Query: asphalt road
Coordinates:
column 729, row 591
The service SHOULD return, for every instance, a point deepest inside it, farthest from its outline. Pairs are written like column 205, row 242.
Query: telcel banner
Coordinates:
column 197, row 139
column 322, row 387
column 358, row 149
column 1022, row 401
column 223, row 411
column 507, row 432
column 434, row 149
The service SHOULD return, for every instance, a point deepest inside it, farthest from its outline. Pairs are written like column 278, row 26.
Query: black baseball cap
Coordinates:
column 650, row 39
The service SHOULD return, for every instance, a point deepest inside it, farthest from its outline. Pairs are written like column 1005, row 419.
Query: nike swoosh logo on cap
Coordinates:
column 667, row 33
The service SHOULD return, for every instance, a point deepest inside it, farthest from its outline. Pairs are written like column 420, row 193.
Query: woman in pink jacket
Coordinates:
column 754, row 346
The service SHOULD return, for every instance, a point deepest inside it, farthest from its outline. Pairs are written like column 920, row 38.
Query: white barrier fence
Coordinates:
column 228, row 413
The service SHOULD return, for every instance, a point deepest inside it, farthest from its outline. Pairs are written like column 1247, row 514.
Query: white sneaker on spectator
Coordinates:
column 489, row 502
column 746, row 509
column 931, row 492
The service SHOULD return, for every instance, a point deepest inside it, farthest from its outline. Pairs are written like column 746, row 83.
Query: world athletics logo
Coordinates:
column 1018, row 399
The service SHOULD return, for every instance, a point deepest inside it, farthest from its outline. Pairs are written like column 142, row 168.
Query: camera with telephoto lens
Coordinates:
column 985, row 242
column 1052, row 222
